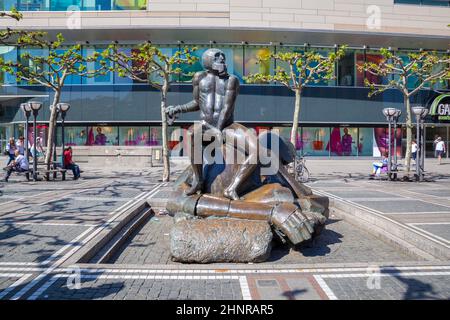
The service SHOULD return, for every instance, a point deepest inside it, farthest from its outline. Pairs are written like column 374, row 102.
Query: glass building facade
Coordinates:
column 72, row 5
column 336, row 140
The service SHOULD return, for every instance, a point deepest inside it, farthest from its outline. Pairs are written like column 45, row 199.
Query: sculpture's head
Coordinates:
column 214, row 60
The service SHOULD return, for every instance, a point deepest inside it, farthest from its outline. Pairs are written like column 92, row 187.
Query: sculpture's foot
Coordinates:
column 195, row 186
column 231, row 194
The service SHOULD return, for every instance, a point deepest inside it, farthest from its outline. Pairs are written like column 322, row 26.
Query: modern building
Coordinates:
column 116, row 111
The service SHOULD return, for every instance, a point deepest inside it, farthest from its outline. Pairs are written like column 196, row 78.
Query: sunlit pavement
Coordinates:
column 43, row 224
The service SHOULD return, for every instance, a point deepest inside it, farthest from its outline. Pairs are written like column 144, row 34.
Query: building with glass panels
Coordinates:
column 337, row 117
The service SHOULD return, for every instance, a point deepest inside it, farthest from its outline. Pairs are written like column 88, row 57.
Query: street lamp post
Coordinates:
column 420, row 113
column 54, row 135
column 396, row 117
column 35, row 107
column 389, row 113
column 62, row 108
column 26, row 108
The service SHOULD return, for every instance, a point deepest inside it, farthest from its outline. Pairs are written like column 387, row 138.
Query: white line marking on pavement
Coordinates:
column 51, row 224
column 429, row 233
column 21, row 269
column 36, row 280
column 77, row 244
column 428, row 223
column 330, row 294
column 245, row 290
column 386, row 274
column 11, row 275
column 249, row 271
column 14, row 285
column 19, row 264
column 417, row 213
column 67, row 246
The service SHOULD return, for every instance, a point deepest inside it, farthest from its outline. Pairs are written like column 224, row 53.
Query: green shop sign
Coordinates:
column 440, row 108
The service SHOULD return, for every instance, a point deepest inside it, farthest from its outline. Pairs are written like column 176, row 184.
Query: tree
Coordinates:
column 408, row 74
column 8, row 36
column 148, row 64
column 51, row 70
column 296, row 70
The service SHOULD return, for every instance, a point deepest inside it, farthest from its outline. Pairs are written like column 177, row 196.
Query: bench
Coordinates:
column 18, row 173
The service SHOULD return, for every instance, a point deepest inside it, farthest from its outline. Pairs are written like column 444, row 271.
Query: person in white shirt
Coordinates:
column 440, row 149
column 414, row 150
column 39, row 150
column 20, row 164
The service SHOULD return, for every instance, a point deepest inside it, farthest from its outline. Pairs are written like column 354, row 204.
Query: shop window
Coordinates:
column 73, row 136
column 29, row 62
column 381, row 141
column 134, row 136
column 365, row 142
column 106, row 78
column 362, row 75
column 155, row 138
column 346, row 70
column 285, row 133
column 64, row 5
column 130, row 4
column 316, row 141
column 252, row 63
column 322, row 82
column 42, row 133
column 28, row 5
column 102, row 136
column 72, row 79
column 97, row 5
column 343, row 142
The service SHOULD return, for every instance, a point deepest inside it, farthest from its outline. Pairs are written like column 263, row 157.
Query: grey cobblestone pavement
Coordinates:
column 43, row 224
column 340, row 242
column 145, row 290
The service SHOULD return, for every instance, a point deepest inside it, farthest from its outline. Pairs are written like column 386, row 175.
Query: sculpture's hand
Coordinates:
column 293, row 225
column 171, row 112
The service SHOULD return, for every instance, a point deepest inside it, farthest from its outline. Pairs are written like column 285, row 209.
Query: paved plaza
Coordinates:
column 43, row 225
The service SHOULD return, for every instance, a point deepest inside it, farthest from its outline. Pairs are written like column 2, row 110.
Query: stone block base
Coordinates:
column 220, row 240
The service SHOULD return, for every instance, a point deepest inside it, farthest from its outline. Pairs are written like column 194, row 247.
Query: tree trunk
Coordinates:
column 409, row 126
column 165, row 144
column 296, row 116
column 51, row 130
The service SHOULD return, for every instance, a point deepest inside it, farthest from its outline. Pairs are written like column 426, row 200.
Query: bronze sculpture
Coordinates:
column 240, row 191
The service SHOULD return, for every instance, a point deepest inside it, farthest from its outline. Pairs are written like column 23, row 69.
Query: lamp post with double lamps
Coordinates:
column 26, row 108
column 390, row 113
column 62, row 109
column 35, row 107
column 420, row 113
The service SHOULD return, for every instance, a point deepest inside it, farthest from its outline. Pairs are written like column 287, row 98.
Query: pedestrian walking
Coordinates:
column 414, row 150
column 434, row 145
column 38, row 150
column 440, row 149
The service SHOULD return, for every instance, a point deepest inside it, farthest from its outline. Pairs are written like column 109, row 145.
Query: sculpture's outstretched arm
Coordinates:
column 192, row 105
